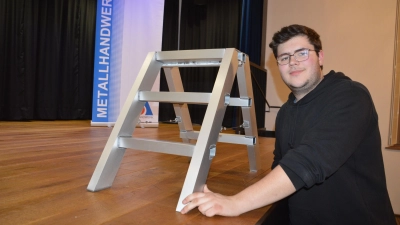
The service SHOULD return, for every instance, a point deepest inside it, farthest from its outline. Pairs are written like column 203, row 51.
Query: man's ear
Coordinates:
column 321, row 57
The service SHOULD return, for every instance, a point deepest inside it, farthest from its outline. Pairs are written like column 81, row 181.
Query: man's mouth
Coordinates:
column 295, row 72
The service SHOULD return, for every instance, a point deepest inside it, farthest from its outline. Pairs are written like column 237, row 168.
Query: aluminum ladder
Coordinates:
column 231, row 63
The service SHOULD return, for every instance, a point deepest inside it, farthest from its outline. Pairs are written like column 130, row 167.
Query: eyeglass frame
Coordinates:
column 290, row 56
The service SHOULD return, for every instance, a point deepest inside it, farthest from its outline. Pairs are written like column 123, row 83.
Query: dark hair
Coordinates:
column 286, row 33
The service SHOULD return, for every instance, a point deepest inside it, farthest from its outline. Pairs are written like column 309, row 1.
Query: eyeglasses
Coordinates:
column 299, row 55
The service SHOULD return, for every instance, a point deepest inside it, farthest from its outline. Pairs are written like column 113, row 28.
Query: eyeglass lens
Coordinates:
column 299, row 55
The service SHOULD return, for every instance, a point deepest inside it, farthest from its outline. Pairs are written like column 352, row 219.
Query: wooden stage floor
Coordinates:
column 45, row 167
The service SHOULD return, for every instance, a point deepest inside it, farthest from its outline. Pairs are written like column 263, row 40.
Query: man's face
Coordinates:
column 300, row 77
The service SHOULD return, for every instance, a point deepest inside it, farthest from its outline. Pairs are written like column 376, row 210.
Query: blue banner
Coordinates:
column 102, row 65
column 126, row 31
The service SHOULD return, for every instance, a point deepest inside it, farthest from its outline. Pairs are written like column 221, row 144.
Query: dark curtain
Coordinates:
column 205, row 24
column 251, row 29
column 46, row 69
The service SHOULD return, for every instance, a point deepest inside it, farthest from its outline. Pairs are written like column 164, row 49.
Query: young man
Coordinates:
column 328, row 156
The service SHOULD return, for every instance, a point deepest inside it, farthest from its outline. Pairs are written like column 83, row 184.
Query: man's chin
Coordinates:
column 297, row 87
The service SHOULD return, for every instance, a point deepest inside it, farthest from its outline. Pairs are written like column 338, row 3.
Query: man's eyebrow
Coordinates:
column 288, row 53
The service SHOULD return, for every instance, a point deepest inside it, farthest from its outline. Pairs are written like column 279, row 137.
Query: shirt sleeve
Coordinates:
column 277, row 151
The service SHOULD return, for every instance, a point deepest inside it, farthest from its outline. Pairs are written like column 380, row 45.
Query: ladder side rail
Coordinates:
column 246, row 92
column 111, row 157
column 249, row 115
column 205, row 148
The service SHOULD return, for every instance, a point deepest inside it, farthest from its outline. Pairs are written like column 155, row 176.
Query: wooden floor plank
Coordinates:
column 45, row 167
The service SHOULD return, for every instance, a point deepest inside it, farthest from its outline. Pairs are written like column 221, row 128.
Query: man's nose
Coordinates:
column 292, row 61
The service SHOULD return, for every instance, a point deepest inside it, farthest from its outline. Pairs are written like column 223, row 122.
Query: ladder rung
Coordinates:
column 243, row 102
column 175, row 148
column 225, row 138
column 190, row 55
column 192, row 64
column 175, row 97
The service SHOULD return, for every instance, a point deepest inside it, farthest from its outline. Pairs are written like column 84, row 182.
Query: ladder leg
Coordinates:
column 208, row 136
column 249, row 115
column 174, row 81
column 112, row 155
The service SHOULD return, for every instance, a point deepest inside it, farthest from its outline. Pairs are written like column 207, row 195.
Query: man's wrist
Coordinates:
column 239, row 205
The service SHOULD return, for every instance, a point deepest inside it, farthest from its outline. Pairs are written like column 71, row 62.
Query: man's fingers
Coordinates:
column 210, row 213
column 200, row 200
column 207, row 209
column 187, row 208
column 192, row 201
column 190, row 197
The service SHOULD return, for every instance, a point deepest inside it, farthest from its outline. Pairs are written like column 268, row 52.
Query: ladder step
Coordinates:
column 225, row 138
column 175, row 97
column 242, row 102
column 190, row 55
column 188, row 97
column 192, row 64
column 195, row 58
column 174, row 148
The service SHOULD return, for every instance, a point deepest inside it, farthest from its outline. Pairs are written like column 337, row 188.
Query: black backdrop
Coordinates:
column 47, row 53
column 46, row 59
column 204, row 25
column 207, row 24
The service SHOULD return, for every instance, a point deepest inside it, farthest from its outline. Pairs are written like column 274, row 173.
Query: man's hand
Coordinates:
column 211, row 204
column 275, row 186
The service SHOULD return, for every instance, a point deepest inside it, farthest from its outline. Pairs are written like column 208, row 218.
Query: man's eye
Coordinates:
column 284, row 58
column 302, row 53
